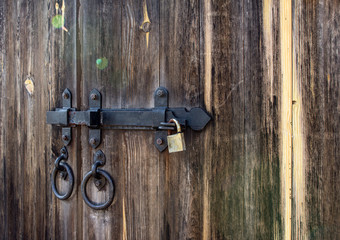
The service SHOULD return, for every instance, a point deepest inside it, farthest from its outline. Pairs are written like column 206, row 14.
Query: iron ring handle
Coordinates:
column 91, row 204
column 69, row 171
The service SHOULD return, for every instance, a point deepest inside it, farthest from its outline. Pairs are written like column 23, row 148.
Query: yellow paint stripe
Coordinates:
column 286, row 113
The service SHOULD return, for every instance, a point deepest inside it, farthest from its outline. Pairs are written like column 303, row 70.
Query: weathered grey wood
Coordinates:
column 99, row 38
column 241, row 82
column 225, row 56
column 32, row 49
column 316, row 50
column 179, row 73
column 143, row 172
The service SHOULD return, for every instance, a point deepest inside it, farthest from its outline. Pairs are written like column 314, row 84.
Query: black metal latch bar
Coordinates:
column 96, row 118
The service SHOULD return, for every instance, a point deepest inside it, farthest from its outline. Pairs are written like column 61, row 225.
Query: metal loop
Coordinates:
column 94, row 168
column 178, row 126
column 64, row 166
column 58, row 160
column 91, row 204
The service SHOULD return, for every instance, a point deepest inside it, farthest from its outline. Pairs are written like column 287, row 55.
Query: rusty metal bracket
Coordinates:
column 156, row 118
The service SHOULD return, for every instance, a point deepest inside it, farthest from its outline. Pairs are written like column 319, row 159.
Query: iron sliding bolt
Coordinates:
column 96, row 118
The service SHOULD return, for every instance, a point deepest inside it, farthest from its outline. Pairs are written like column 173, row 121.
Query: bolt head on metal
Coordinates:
column 93, row 141
column 66, row 95
column 159, row 141
column 65, row 137
column 97, row 183
column 160, row 93
column 63, row 151
column 93, row 96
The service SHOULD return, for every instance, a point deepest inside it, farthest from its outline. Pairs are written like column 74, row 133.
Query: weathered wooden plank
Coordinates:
column 27, row 82
column 63, row 71
column 263, row 205
column 100, row 68
column 286, row 115
column 3, row 207
column 143, row 172
column 241, row 166
column 316, row 120
column 179, row 73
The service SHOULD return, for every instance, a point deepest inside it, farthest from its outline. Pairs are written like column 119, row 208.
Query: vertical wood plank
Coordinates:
column 33, row 50
column 316, row 123
column 63, row 68
column 286, row 114
column 3, row 203
column 180, row 74
column 100, row 68
column 242, row 90
column 143, row 172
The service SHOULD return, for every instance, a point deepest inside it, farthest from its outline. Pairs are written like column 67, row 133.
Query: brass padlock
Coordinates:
column 176, row 142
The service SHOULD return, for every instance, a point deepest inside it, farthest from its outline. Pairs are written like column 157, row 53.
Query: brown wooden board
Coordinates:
column 34, row 53
column 179, row 73
column 100, row 38
column 273, row 98
column 241, row 82
column 317, row 126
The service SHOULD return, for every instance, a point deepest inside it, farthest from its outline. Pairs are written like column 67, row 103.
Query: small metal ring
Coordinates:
column 98, row 206
column 63, row 165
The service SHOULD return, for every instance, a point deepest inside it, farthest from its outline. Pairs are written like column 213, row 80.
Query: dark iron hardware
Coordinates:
column 65, row 171
column 155, row 118
column 100, row 179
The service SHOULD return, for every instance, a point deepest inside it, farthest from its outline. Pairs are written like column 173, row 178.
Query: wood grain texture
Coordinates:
column 179, row 73
column 100, row 39
column 229, row 57
column 143, row 172
column 316, row 51
column 241, row 146
column 32, row 49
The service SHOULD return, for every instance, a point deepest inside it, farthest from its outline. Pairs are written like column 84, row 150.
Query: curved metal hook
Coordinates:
column 69, row 172
column 66, row 170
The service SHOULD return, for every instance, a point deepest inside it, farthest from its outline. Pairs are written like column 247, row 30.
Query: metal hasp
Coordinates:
column 156, row 118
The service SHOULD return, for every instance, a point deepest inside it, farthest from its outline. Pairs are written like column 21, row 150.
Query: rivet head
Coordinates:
column 93, row 141
column 66, row 95
column 65, row 137
column 159, row 141
column 97, row 183
column 93, row 96
column 63, row 151
column 160, row 93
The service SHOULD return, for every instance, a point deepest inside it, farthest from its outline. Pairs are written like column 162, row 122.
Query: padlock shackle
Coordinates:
column 178, row 126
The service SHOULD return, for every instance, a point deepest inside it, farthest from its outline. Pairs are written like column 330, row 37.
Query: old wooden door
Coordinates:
column 266, row 166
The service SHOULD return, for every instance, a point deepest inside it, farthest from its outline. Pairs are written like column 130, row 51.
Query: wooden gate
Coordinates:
column 266, row 167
